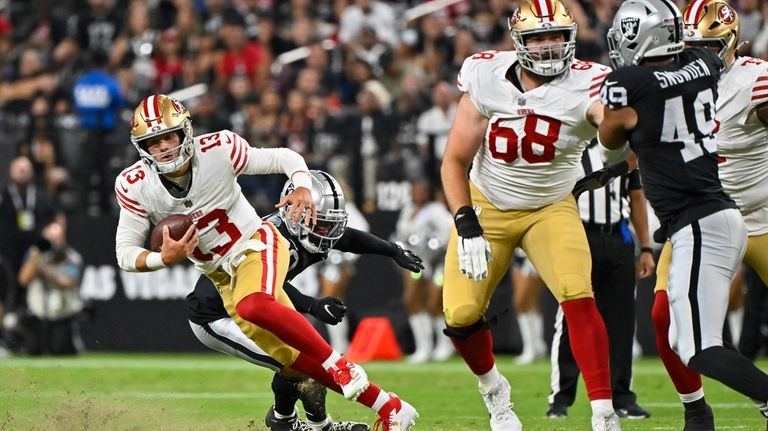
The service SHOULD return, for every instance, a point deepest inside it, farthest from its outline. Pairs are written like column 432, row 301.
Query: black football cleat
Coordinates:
column 631, row 411
column 699, row 420
column 292, row 423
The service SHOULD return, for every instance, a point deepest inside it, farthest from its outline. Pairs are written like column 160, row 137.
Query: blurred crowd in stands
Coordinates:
column 364, row 89
column 361, row 88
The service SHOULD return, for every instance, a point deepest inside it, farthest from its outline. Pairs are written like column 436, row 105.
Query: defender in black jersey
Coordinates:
column 663, row 103
column 213, row 327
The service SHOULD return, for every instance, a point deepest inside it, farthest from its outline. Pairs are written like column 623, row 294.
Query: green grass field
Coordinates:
column 214, row 392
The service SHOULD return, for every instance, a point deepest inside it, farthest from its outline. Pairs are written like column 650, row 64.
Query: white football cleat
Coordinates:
column 503, row 417
column 606, row 423
column 401, row 417
column 350, row 377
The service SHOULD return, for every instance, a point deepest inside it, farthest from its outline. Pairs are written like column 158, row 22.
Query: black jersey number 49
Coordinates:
column 694, row 128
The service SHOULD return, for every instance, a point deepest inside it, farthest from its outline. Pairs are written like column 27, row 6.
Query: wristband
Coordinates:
column 154, row 261
column 467, row 225
column 646, row 250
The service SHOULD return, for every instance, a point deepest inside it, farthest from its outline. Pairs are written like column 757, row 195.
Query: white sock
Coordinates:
column 735, row 323
column 279, row 416
column 339, row 335
column 330, row 362
column 421, row 326
column 318, row 426
column 693, row 396
column 525, row 323
column 602, row 408
column 381, row 401
column 489, row 380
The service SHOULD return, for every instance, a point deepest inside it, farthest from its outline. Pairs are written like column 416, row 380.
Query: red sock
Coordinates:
column 686, row 381
column 287, row 324
column 589, row 344
column 477, row 351
column 306, row 365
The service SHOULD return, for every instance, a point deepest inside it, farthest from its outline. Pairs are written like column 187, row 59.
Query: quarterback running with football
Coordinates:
column 742, row 144
column 664, row 104
column 246, row 259
column 212, row 325
column 522, row 124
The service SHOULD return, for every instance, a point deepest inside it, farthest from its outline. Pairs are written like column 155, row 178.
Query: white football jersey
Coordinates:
column 742, row 138
column 224, row 218
column 534, row 140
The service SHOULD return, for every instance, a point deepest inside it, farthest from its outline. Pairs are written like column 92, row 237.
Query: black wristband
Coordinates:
column 619, row 169
column 646, row 250
column 466, row 222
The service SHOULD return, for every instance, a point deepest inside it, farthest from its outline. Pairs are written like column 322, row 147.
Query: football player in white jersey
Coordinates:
column 246, row 259
column 742, row 144
column 522, row 125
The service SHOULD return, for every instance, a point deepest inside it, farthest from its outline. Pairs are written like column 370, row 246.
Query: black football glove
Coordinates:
column 43, row 244
column 599, row 178
column 408, row 259
column 329, row 310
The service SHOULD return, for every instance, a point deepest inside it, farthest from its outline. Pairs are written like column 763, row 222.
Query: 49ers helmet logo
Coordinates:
column 515, row 17
column 726, row 14
column 179, row 107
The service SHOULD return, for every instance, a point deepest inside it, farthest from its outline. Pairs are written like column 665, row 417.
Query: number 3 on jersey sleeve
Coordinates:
column 536, row 147
column 223, row 226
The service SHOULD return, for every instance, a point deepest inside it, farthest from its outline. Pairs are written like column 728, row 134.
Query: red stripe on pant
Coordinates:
column 686, row 380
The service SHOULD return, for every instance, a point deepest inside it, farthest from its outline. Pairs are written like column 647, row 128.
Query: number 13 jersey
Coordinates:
column 224, row 218
column 534, row 139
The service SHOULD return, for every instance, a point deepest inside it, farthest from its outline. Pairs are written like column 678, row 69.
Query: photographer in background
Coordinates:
column 52, row 273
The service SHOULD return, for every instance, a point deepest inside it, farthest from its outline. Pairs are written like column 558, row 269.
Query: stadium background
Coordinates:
column 280, row 73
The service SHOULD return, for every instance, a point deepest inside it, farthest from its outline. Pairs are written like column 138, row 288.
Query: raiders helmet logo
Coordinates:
column 629, row 27
column 726, row 14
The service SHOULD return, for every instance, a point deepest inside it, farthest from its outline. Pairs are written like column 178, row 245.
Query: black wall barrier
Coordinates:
column 146, row 311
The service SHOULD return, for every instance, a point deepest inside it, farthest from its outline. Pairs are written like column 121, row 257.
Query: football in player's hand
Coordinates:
column 177, row 227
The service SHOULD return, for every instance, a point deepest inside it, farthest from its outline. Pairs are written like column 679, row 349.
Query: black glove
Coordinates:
column 43, row 244
column 329, row 310
column 467, row 224
column 599, row 178
column 407, row 259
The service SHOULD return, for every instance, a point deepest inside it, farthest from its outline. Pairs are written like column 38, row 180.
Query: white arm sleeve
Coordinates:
column 614, row 156
column 129, row 240
column 276, row 161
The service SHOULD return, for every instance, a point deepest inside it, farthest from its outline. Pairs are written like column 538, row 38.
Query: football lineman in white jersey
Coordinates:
column 742, row 144
column 246, row 258
column 522, row 124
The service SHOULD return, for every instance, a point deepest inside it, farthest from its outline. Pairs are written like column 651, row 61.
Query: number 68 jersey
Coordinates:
column 535, row 139
column 224, row 218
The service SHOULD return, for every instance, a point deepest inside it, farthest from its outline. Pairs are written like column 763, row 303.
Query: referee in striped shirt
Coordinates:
column 606, row 213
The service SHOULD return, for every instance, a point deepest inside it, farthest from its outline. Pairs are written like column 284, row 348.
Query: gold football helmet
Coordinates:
column 713, row 21
column 157, row 115
column 543, row 16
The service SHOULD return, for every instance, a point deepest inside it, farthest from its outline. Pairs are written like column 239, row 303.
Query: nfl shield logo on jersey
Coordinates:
column 629, row 27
